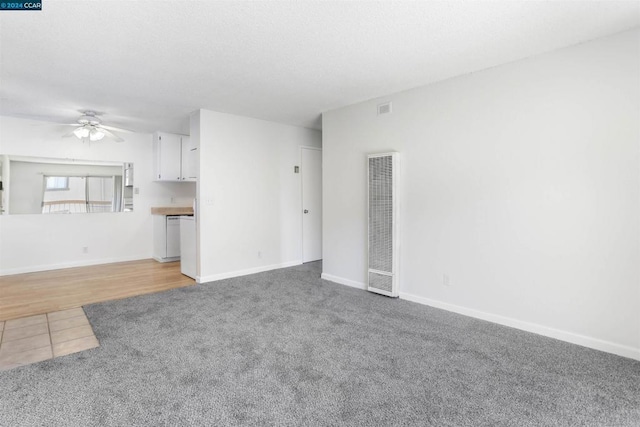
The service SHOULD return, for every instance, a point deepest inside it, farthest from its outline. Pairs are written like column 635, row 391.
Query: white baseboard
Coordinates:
column 172, row 259
column 245, row 272
column 585, row 341
column 343, row 281
column 47, row 267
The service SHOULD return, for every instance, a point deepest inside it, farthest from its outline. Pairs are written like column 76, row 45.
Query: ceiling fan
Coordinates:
column 90, row 126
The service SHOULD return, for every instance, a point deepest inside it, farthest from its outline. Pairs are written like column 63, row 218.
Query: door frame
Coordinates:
column 304, row 147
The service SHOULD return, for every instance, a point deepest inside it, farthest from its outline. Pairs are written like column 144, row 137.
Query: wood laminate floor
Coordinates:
column 48, row 291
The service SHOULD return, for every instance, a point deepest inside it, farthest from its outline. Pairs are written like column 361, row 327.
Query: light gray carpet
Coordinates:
column 286, row 348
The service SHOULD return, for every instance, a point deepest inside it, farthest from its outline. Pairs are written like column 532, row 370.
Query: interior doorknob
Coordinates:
column 306, row 211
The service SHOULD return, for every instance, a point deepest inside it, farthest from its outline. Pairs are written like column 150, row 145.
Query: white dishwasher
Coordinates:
column 188, row 246
column 166, row 238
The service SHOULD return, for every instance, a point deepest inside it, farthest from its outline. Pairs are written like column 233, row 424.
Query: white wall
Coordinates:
column 43, row 242
column 521, row 183
column 249, row 196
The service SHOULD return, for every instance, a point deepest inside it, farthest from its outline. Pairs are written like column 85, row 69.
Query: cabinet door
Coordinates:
column 189, row 160
column 173, row 236
column 159, row 236
column 168, row 157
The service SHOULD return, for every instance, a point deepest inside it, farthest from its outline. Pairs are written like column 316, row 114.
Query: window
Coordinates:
column 57, row 183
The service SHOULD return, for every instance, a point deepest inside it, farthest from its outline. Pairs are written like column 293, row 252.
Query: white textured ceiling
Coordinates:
column 147, row 64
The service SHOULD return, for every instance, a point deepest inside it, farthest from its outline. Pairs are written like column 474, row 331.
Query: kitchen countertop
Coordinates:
column 174, row 210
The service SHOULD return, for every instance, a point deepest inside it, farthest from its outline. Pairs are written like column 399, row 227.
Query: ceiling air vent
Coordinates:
column 384, row 108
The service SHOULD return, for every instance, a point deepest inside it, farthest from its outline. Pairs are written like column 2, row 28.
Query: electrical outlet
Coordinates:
column 85, row 249
column 259, row 254
column 445, row 280
column 173, row 199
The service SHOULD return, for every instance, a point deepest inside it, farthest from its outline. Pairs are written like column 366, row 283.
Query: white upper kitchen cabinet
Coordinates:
column 189, row 170
column 167, row 156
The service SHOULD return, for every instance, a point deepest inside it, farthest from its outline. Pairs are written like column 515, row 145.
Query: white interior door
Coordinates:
column 311, row 170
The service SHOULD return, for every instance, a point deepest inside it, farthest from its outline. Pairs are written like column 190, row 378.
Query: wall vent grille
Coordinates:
column 384, row 108
column 383, row 230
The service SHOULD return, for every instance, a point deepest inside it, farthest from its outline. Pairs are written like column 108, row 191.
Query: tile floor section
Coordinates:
column 44, row 336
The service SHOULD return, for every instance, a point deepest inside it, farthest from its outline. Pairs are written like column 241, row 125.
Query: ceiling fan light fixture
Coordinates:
column 96, row 134
column 81, row 132
column 89, row 118
column 89, row 126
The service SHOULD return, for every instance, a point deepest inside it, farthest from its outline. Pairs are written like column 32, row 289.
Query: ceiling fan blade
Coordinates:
column 67, row 135
column 115, row 129
column 110, row 134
